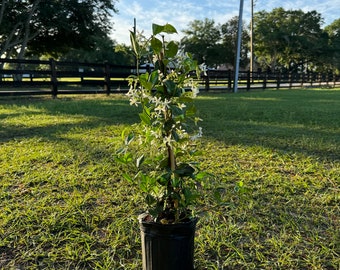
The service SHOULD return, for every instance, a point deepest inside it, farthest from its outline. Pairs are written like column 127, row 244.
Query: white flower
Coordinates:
column 195, row 91
column 133, row 97
column 193, row 85
column 181, row 105
column 198, row 135
column 167, row 140
column 203, row 67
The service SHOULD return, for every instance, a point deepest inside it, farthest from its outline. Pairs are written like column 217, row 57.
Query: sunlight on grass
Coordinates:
column 260, row 98
column 275, row 155
column 44, row 120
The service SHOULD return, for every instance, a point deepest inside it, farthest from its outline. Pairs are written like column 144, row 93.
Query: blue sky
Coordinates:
column 179, row 13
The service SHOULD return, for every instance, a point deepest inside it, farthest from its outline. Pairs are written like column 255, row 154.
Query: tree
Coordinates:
column 105, row 49
column 53, row 27
column 203, row 40
column 288, row 40
column 215, row 45
column 333, row 31
column 229, row 34
column 15, row 30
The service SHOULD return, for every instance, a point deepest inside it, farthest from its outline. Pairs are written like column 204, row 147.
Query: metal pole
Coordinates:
column 239, row 35
column 251, row 38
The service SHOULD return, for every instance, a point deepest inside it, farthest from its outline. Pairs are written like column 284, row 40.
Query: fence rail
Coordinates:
column 41, row 77
column 30, row 77
column 224, row 80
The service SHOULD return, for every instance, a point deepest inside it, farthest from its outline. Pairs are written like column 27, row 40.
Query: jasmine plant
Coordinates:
column 162, row 146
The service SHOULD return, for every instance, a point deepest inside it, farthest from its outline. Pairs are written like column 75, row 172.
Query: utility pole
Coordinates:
column 251, row 68
column 238, row 51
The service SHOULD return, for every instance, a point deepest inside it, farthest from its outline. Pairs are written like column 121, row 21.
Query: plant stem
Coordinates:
column 171, row 158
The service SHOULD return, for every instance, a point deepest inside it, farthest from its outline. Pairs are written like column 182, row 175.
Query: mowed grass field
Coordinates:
column 275, row 157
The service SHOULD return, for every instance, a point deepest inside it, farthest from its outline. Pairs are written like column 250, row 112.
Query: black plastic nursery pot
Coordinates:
column 168, row 246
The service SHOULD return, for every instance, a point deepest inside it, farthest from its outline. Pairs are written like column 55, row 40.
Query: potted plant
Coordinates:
column 161, row 149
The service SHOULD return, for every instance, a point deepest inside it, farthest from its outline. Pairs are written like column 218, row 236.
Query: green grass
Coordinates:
column 64, row 204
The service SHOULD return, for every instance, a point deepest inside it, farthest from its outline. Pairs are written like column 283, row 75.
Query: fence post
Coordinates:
column 278, row 80
column 207, row 81
column 319, row 79
column 290, row 79
column 248, row 80
column 107, row 79
column 327, row 79
column 229, row 79
column 264, row 80
column 54, row 80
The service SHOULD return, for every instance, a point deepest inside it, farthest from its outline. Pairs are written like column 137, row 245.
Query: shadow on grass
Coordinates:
column 305, row 121
column 45, row 117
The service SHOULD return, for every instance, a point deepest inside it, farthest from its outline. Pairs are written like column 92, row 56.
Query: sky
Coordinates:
column 180, row 13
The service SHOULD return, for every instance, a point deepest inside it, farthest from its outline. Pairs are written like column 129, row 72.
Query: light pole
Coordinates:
column 238, row 51
column 251, row 68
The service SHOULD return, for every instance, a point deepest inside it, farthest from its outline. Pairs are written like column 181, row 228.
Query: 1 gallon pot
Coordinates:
column 168, row 246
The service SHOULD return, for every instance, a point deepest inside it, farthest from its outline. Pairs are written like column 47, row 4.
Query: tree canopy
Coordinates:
column 333, row 31
column 203, row 40
column 214, row 44
column 229, row 35
column 52, row 27
column 285, row 40
column 289, row 39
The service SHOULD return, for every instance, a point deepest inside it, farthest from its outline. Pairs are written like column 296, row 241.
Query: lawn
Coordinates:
column 275, row 157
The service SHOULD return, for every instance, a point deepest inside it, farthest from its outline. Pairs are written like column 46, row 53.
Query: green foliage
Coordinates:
column 202, row 39
column 333, row 31
column 285, row 40
column 289, row 39
column 163, row 144
column 102, row 50
column 52, row 27
column 229, row 36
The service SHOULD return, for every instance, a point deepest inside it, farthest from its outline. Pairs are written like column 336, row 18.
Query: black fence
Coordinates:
column 224, row 80
column 30, row 77
column 36, row 77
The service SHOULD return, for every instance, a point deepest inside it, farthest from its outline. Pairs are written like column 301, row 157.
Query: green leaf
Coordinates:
column 144, row 81
column 201, row 175
column 171, row 49
column 176, row 110
column 160, row 89
column 125, row 159
column 150, row 199
column 164, row 179
column 175, row 135
column 127, row 177
column 129, row 138
column 145, row 118
column 156, row 45
column 176, row 181
column 156, row 29
column 147, row 183
column 167, row 28
column 153, row 78
column 184, row 170
column 134, row 43
column 170, row 87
